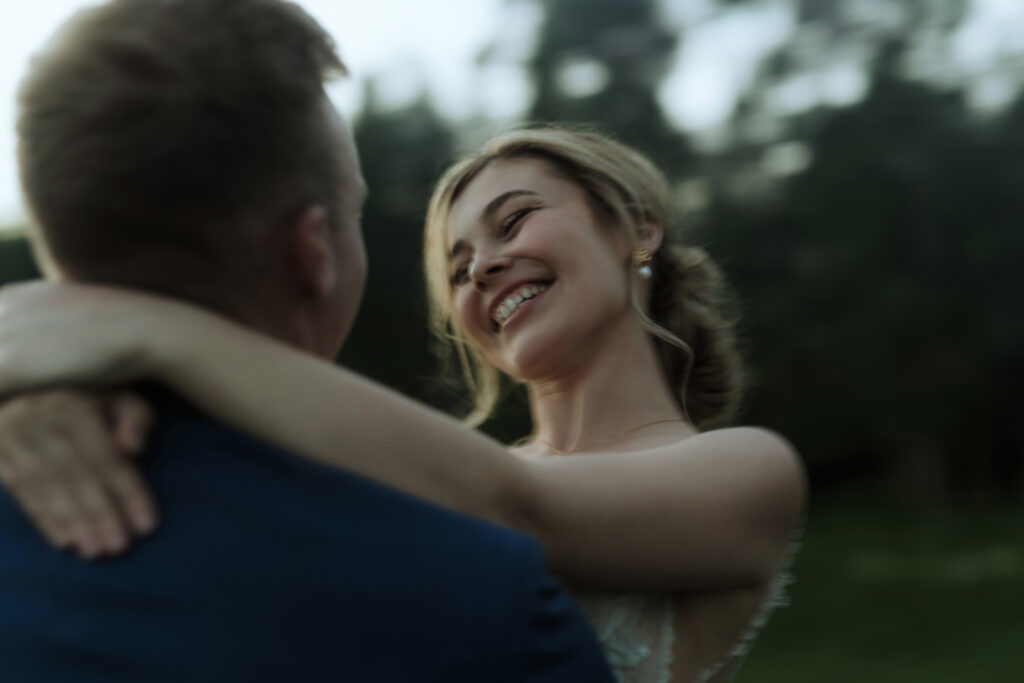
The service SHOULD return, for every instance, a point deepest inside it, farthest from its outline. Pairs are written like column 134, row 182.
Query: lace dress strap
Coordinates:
column 776, row 597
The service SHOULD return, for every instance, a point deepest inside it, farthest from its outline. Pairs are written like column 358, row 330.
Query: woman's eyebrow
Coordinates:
column 495, row 204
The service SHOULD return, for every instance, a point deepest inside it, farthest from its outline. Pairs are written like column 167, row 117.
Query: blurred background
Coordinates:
column 856, row 168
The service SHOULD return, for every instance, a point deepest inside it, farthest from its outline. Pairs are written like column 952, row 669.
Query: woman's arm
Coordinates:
column 715, row 510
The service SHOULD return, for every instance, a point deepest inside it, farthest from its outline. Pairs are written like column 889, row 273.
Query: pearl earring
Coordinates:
column 642, row 261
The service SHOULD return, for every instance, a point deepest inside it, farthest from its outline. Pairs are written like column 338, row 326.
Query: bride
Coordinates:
column 550, row 260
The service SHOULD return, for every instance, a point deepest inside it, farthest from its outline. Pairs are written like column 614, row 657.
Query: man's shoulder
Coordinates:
column 253, row 537
column 188, row 450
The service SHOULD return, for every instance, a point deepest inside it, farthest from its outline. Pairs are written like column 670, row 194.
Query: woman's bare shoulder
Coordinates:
column 760, row 460
column 746, row 447
column 746, row 439
column 526, row 452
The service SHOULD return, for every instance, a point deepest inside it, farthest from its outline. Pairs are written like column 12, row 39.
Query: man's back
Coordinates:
column 268, row 567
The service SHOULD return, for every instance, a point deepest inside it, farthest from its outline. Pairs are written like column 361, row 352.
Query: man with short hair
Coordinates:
column 186, row 147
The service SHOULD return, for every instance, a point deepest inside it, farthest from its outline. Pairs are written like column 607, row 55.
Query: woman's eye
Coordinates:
column 459, row 276
column 512, row 221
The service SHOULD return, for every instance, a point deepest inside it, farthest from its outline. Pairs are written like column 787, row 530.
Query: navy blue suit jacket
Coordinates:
column 268, row 567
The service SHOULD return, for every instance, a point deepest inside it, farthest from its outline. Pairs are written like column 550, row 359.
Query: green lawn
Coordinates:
column 896, row 596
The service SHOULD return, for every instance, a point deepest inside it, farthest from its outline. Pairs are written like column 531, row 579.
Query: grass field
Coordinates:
column 887, row 595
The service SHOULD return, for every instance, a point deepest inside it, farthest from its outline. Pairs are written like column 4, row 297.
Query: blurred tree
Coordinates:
column 16, row 259
column 601, row 62
column 869, row 282
column 402, row 153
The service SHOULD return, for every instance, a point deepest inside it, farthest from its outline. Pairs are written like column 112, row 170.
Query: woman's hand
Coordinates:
column 65, row 459
column 63, row 334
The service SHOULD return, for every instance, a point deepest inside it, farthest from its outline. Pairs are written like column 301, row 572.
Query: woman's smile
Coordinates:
column 514, row 303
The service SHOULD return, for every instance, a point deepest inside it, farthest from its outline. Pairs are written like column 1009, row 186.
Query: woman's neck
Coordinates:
column 615, row 395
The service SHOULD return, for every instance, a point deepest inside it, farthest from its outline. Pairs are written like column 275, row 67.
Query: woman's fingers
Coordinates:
column 130, row 496
column 60, row 461
column 41, row 479
column 71, row 488
column 132, row 418
column 51, row 515
column 108, row 444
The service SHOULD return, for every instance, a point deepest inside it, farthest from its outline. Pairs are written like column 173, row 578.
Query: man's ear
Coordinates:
column 44, row 260
column 312, row 252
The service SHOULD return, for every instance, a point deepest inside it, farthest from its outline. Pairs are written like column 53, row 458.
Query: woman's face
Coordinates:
column 536, row 279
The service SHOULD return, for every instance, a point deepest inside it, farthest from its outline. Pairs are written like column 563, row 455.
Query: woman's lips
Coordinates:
column 522, row 309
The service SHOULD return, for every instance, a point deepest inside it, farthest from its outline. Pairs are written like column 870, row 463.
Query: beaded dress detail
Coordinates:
column 636, row 632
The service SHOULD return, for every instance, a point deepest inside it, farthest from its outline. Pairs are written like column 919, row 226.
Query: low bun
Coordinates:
column 691, row 300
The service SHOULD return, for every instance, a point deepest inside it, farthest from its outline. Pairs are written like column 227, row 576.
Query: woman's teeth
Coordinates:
column 514, row 300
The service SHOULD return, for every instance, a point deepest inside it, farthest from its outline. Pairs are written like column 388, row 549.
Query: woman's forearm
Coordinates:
column 713, row 511
column 309, row 406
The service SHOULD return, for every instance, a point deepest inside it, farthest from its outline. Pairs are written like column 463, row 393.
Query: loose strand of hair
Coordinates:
column 664, row 334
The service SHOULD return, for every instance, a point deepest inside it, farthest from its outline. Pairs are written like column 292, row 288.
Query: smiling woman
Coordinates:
column 551, row 259
column 537, row 188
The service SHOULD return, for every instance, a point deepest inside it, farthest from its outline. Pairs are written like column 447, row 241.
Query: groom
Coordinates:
column 186, row 147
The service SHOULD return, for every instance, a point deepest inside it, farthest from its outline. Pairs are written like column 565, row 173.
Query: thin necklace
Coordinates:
column 559, row 451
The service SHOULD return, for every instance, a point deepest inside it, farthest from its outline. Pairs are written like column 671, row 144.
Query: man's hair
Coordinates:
column 161, row 141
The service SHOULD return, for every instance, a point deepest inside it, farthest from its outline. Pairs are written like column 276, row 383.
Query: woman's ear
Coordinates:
column 649, row 235
column 312, row 252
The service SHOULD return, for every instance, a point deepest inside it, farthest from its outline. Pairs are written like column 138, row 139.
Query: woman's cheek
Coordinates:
column 467, row 306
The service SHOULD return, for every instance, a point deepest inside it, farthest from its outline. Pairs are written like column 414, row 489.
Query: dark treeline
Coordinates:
column 877, row 274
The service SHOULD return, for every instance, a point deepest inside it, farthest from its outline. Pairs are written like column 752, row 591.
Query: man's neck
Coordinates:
column 296, row 330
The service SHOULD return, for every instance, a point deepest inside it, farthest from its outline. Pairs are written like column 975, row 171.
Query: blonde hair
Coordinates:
column 687, row 312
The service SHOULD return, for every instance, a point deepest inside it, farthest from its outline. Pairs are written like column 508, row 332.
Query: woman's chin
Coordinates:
column 532, row 357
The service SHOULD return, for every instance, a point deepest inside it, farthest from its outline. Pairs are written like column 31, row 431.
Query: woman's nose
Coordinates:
column 485, row 267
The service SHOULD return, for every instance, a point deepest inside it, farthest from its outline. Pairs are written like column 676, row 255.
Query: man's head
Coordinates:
column 187, row 147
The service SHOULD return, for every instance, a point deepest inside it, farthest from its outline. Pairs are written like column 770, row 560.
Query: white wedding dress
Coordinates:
column 636, row 631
